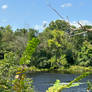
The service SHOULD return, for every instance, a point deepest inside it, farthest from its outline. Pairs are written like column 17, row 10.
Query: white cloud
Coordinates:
column 37, row 27
column 42, row 26
column 83, row 22
column 74, row 23
column 66, row 5
column 4, row 7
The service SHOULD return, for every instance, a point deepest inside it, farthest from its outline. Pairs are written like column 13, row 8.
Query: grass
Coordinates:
column 71, row 69
column 75, row 69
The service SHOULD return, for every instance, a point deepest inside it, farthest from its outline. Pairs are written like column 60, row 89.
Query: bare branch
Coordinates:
column 55, row 11
column 79, row 33
column 84, row 28
column 89, row 30
column 71, row 29
column 81, row 26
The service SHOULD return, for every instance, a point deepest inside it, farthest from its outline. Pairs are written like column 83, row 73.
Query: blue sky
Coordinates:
column 35, row 13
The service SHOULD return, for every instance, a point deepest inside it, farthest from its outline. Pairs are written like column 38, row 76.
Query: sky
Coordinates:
column 36, row 13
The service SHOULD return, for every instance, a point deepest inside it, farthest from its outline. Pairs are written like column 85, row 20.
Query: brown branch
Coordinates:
column 80, row 25
column 55, row 11
column 72, row 29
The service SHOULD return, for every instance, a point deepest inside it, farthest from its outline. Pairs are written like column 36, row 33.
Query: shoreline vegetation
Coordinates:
column 69, row 70
column 61, row 48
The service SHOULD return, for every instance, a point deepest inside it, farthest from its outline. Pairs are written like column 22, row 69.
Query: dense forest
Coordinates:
column 59, row 46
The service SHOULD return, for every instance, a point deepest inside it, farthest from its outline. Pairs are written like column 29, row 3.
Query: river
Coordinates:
column 42, row 81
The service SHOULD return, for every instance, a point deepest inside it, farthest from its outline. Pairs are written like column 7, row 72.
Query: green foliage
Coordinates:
column 63, row 60
column 89, row 85
column 8, row 68
column 21, row 83
column 32, row 33
column 30, row 48
column 58, row 25
column 57, row 49
column 59, row 45
column 53, row 62
column 85, row 55
column 55, row 42
column 79, row 69
column 57, row 87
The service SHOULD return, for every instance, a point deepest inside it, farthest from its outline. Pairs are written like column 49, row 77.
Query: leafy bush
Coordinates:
column 85, row 55
column 12, row 74
column 8, row 68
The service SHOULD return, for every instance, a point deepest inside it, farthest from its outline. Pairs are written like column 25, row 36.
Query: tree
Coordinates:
column 7, row 38
column 32, row 33
column 30, row 49
column 85, row 55
column 60, row 45
column 59, row 25
column 43, row 53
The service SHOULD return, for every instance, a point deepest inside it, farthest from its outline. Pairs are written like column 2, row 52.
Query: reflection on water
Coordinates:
column 44, row 80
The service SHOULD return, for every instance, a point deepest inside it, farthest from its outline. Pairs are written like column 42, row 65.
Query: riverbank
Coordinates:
column 70, row 70
column 75, row 69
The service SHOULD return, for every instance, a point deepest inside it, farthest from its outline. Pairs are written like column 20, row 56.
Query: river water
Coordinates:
column 42, row 81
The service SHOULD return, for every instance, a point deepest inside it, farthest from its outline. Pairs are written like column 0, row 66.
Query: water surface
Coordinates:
column 44, row 80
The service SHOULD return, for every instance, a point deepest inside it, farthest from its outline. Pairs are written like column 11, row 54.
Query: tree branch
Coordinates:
column 55, row 11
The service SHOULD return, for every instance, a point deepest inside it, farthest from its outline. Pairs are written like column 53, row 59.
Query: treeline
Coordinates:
column 60, row 45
